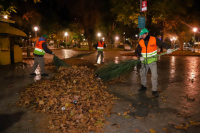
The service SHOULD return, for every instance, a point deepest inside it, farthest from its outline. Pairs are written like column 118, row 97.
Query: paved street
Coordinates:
column 177, row 109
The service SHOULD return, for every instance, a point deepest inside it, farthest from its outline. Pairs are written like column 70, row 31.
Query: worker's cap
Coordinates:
column 46, row 36
column 143, row 31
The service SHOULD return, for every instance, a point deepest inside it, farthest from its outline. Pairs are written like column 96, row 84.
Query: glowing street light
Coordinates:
column 195, row 30
column 66, row 34
column 173, row 40
column 35, row 29
column 5, row 16
column 99, row 34
column 117, row 38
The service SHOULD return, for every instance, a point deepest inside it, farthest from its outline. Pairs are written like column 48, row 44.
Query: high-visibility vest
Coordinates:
column 149, row 51
column 38, row 48
column 100, row 46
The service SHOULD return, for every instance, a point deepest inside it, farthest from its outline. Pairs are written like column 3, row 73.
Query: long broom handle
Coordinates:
column 164, row 53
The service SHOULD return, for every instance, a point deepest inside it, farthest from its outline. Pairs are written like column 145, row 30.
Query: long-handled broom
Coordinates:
column 58, row 62
column 114, row 71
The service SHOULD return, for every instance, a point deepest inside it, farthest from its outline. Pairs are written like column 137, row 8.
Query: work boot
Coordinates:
column 155, row 93
column 33, row 74
column 142, row 89
column 44, row 74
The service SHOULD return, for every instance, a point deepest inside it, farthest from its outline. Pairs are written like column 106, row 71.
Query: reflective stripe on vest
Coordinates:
column 150, row 51
column 100, row 46
column 38, row 48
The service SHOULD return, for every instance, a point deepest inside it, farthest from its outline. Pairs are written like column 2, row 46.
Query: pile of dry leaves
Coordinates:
column 76, row 100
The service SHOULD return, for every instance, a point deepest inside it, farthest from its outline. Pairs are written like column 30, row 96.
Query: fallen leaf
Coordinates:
column 127, row 116
column 152, row 131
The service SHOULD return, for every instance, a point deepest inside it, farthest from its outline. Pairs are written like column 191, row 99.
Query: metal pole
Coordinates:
column 124, row 40
column 35, row 37
column 141, row 16
column 194, row 42
column 141, row 6
column 198, row 44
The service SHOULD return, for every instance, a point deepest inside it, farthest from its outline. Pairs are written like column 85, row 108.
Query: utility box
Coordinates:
column 9, row 52
column 5, row 50
column 17, row 54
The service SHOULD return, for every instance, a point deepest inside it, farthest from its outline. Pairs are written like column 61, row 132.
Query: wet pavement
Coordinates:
column 176, row 110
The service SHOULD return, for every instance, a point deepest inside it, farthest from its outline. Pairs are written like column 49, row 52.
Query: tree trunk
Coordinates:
column 90, row 42
column 181, row 42
column 110, row 31
column 89, row 34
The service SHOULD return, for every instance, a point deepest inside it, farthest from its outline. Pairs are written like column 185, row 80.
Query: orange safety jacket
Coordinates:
column 100, row 46
column 38, row 48
column 149, row 53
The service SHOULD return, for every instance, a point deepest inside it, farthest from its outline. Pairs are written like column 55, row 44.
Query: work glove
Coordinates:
column 141, row 59
column 169, row 51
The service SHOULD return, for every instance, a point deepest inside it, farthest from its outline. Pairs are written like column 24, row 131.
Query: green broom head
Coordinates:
column 115, row 71
column 58, row 62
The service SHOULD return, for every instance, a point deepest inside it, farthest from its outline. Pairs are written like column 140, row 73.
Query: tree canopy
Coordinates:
column 176, row 17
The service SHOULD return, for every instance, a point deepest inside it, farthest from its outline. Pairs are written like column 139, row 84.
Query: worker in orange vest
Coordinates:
column 39, row 52
column 99, row 47
column 147, row 51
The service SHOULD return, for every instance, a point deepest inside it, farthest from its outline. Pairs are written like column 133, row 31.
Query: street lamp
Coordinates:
column 173, row 40
column 5, row 16
column 66, row 34
column 195, row 30
column 35, row 29
column 124, row 38
column 117, row 38
column 99, row 34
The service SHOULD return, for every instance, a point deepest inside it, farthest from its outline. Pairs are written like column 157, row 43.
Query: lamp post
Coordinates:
column 174, row 38
column 66, row 35
column 195, row 30
column 124, row 38
column 116, row 40
column 35, row 29
column 99, row 34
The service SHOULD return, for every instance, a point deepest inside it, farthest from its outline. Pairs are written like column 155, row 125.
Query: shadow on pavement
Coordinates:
column 144, row 104
column 8, row 120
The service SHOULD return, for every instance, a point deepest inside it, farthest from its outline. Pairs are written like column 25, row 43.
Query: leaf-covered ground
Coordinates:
column 75, row 100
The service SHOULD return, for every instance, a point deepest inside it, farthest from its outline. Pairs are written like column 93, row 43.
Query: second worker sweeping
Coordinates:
column 147, row 51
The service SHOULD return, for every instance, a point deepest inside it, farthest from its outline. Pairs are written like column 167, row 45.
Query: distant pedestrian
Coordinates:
column 147, row 51
column 99, row 47
column 39, row 51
